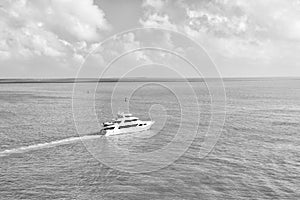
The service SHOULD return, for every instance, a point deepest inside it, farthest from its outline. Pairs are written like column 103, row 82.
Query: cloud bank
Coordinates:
column 245, row 38
column 49, row 28
column 238, row 34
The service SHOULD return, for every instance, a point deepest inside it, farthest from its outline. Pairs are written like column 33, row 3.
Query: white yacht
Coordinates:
column 125, row 123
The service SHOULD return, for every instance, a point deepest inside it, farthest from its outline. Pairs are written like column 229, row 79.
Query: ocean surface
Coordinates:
column 256, row 156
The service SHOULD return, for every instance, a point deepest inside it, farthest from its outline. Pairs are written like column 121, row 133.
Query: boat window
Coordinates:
column 127, row 126
column 109, row 128
column 140, row 124
column 130, row 120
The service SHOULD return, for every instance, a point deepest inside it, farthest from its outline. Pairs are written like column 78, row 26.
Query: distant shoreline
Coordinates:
column 138, row 79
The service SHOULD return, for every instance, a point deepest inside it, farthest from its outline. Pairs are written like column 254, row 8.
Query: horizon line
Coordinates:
column 128, row 79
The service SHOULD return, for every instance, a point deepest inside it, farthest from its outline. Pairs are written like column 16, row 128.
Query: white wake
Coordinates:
column 46, row 145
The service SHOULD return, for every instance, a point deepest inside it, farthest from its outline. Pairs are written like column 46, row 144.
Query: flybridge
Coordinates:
column 119, row 120
column 121, row 114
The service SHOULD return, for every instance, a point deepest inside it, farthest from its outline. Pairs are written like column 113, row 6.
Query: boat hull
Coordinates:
column 130, row 130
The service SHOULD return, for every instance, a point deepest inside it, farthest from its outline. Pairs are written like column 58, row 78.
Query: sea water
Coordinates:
column 42, row 155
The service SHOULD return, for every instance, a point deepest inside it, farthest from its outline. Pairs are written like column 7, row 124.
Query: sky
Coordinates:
column 226, row 38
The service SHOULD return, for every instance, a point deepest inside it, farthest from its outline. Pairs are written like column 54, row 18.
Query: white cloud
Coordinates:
column 264, row 31
column 54, row 28
column 79, row 18
column 157, row 20
column 239, row 32
column 218, row 24
column 78, row 58
column 4, row 55
column 275, row 19
column 156, row 4
column 245, row 29
column 30, row 40
column 122, row 44
column 128, row 42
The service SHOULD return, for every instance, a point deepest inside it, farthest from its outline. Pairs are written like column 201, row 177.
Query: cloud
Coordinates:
column 156, row 4
column 119, row 45
column 30, row 40
column 80, row 19
column 235, row 32
column 219, row 25
column 154, row 15
column 278, row 19
column 157, row 20
column 49, row 28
